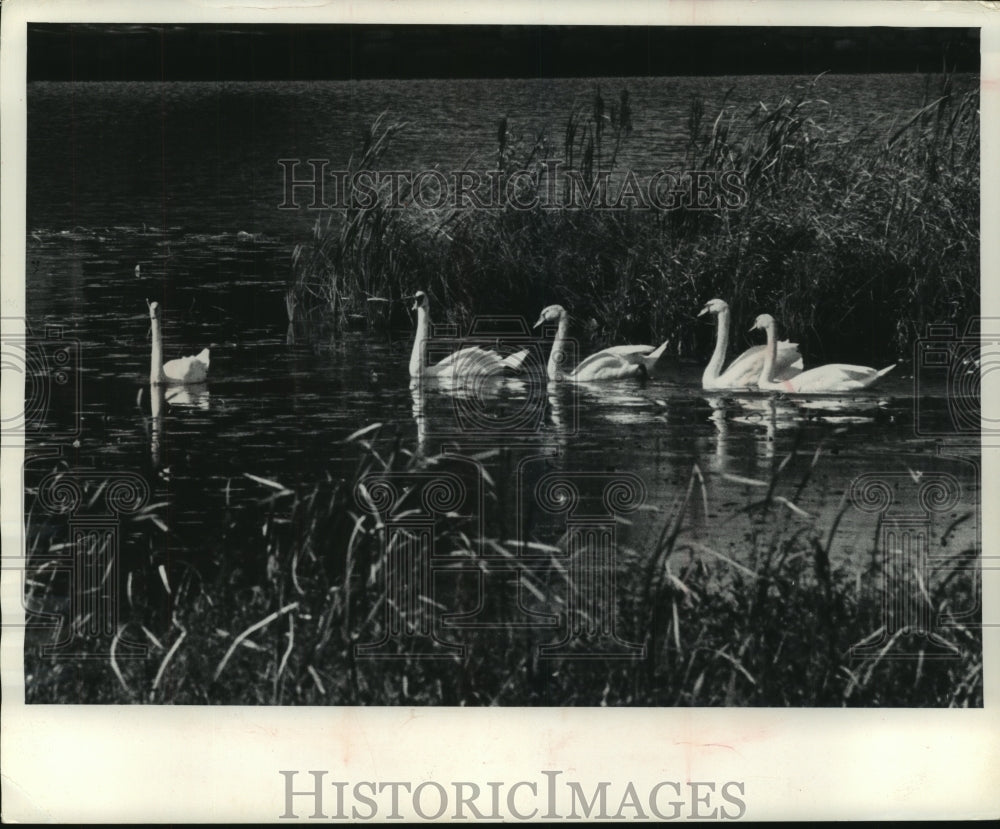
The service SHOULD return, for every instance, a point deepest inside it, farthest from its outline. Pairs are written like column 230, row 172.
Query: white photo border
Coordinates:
column 221, row 764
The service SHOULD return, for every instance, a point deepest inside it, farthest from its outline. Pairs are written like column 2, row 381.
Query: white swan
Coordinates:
column 185, row 370
column 612, row 363
column 465, row 362
column 745, row 370
column 833, row 377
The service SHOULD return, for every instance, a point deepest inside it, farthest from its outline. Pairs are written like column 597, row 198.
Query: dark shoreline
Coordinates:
column 84, row 52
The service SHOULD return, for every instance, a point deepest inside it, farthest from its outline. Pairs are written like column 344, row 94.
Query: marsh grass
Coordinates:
column 854, row 243
column 300, row 578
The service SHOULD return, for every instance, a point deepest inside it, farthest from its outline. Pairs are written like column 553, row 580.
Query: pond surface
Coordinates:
column 204, row 157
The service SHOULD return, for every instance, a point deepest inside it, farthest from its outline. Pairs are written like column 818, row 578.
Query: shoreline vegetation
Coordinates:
column 277, row 605
column 855, row 245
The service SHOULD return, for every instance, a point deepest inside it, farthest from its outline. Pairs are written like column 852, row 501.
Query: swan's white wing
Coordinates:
column 468, row 356
column 603, row 366
column 473, row 360
column 617, row 355
column 188, row 369
column 855, row 372
column 745, row 370
column 864, row 372
column 626, row 352
column 515, row 361
column 827, row 378
column 837, row 377
column 789, row 362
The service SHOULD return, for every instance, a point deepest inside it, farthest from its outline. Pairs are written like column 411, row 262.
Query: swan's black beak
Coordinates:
column 540, row 321
column 703, row 311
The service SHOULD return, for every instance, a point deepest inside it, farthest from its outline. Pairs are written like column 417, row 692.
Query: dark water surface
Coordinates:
column 203, row 156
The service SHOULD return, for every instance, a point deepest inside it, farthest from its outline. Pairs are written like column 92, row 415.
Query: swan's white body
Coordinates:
column 833, row 377
column 183, row 371
column 466, row 362
column 612, row 363
column 745, row 370
column 646, row 355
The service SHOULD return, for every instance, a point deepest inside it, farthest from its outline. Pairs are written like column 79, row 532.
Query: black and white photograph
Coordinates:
column 532, row 369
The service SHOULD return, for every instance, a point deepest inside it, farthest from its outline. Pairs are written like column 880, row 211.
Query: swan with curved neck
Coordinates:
column 184, row 370
column 833, row 377
column 465, row 362
column 612, row 363
column 745, row 370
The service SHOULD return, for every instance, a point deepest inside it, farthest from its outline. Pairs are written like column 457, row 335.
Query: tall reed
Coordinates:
column 302, row 578
column 855, row 243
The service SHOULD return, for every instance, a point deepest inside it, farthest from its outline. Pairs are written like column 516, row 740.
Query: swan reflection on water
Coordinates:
column 617, row 401
column 772, row 413
column 777, row 414
column 840, row 410
column 720, row 417
column 474, row 408
column 192, row 396
column 564, row 416
column 188, row 397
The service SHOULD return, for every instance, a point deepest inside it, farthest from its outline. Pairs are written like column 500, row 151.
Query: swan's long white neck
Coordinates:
column 156, row 374
column 557, row 357
column 714, row 367
column 770, row 355
column 417, row 356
